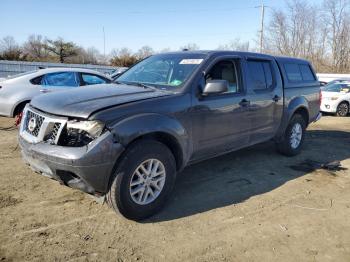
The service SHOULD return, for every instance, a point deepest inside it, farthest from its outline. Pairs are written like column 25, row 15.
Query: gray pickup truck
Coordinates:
column 125, row 142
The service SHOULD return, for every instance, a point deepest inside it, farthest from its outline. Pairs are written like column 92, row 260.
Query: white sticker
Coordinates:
column 191, row 61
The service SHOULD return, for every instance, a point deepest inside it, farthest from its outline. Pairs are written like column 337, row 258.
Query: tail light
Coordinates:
column 320, row 97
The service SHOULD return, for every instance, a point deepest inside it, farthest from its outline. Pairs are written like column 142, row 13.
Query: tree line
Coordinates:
column 317, row 32
column 320, row 33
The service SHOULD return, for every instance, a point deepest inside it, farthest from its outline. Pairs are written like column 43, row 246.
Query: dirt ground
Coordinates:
column 251, row 205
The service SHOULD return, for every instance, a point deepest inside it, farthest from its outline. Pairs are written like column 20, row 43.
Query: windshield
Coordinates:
column 337, row 87
column 168, row 71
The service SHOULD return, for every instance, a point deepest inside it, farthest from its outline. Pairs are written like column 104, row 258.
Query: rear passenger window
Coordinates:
column 68, row 79
column 299, row 73
column 37, row 80
column 261, row 73
column 293, row 72
column 306, row 73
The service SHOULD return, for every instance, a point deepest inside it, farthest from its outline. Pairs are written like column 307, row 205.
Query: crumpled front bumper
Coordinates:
column 85, row 168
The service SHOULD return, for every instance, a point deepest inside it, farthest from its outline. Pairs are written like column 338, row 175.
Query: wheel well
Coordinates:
column 344, row 101
column 167, row 140
column 304, row 113
column 19, row 107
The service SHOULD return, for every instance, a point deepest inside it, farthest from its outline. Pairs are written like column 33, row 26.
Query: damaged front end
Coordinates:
column 80, row 154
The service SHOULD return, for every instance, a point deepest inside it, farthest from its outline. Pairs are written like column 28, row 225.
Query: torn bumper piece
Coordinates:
column 86, row 168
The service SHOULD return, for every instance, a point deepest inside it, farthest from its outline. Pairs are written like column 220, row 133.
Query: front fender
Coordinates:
column 129, row 129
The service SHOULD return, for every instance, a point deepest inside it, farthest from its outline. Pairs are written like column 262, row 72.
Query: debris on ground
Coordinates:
column 311, row 165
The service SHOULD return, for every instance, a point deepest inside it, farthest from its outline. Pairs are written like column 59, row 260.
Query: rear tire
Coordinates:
column 143, row 180
column 292, row 141
column 342, row 109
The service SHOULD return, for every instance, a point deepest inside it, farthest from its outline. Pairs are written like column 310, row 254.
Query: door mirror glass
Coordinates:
column 215, row 87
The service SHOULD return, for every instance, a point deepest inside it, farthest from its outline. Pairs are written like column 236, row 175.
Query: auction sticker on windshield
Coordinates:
column 191, row 61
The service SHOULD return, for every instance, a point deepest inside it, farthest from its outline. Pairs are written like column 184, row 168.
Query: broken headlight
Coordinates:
column 81, row 133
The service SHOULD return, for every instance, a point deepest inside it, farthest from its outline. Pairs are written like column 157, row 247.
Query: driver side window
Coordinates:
column 225, row 70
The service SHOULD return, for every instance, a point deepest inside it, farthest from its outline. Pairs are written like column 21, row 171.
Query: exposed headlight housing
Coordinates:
column 80, row 133
column 93, row 128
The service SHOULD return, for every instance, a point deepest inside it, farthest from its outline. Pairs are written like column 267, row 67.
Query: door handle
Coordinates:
column 276, row 98
column 44, row 90
column 244, row 103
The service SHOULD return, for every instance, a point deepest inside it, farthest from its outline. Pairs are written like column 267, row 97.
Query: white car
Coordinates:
column 336, row 97
column 18, row 90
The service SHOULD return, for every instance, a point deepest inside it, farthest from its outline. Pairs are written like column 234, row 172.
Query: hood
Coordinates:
column 82, row 102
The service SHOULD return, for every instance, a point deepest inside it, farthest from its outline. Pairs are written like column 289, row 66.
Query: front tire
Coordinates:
column 293, row 138
column 342, row 109
column 143, row 180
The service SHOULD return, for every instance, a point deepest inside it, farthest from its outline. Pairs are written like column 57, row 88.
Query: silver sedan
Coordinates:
column 17, row 91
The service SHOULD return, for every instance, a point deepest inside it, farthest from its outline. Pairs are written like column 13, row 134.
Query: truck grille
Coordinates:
column 37, row 127
column 54, row 132
column 33, row 123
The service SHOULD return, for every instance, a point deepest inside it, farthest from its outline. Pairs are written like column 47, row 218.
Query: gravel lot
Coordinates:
column 250, row 205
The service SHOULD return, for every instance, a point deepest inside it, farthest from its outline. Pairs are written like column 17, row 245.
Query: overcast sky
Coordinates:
column 134, row 23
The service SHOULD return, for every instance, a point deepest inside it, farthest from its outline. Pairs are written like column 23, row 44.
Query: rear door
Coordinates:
column 59, row 81
column 265, row 91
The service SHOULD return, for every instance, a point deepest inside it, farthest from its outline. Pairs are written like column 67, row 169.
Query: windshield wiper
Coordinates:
column 140, row 84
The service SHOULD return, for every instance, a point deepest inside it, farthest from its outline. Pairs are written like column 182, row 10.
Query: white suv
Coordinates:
column 336, row 97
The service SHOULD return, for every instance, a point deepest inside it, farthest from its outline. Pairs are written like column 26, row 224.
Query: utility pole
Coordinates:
column 104, row 43
column 262, row 6
column 262, row 26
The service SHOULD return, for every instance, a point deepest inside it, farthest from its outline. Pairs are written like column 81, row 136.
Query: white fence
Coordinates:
column 8, row 68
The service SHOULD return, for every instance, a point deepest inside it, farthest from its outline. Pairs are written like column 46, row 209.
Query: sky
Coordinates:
column 134, row 23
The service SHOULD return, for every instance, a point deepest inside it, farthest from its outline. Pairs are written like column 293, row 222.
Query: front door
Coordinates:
column 221, row 122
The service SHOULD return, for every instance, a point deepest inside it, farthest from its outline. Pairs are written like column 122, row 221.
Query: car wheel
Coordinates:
column 343, row 109
column 143, row 180
column 293, row 138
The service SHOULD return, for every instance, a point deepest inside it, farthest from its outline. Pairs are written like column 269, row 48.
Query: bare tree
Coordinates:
column 144, row 52
column 337, row 22
column 62, row 49
column 190, row 46
column 123, row 57
column 35, row 48
column 236, row 45
column 9, row 49
column 293, row 31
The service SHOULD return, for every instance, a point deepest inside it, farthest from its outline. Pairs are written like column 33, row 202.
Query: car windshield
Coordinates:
column 337, row 87
column 168, row 71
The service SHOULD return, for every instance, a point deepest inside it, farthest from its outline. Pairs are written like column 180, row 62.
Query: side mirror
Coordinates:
column 215, row 87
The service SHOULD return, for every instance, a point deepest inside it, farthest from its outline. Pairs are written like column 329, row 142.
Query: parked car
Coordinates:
column 126, row 142
column 18, row 90
column 336, row 97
